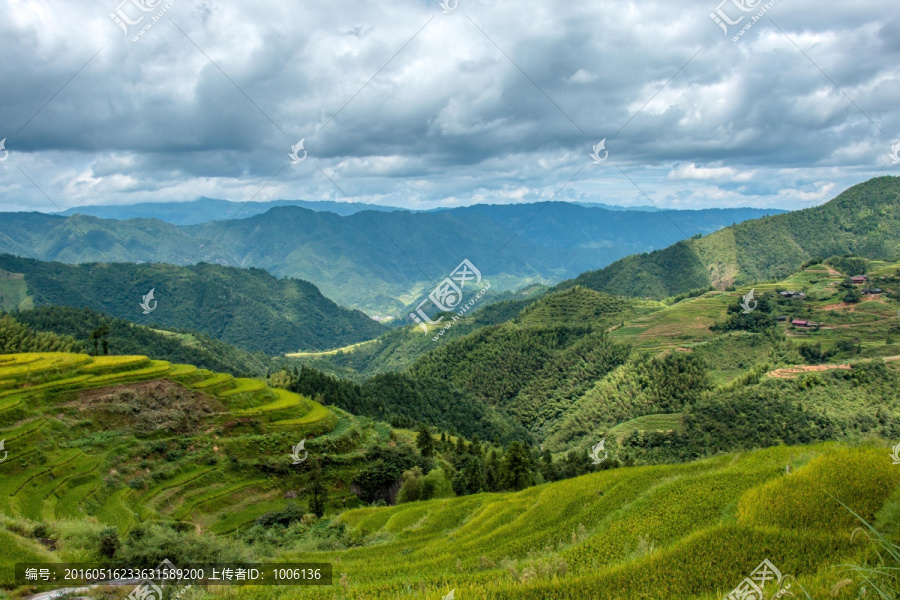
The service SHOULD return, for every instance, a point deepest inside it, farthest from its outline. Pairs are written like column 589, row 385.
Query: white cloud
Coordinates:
column 582, row 76
column 446, row 116
column 822, row 191
column 693, row 172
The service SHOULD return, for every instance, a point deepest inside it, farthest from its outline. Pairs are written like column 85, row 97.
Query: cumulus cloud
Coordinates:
column 402, row 104
column 693, row 172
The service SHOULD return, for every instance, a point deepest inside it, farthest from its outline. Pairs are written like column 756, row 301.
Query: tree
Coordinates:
column 759, row 319
column 469, row 478
column 425, row 442
column 475, row 448
column 95, row 338
column 548, row 469
column 516, row 467
column 852, row 295
column 101, row 334
column 109, row 542
column 104, row 337
column 384, row 468
column 411, row 488
column 492, row 482
column 318, row 493
column 436, row 485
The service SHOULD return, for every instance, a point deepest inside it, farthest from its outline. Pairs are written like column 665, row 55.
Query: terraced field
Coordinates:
column 685, row 531
column 75, row 452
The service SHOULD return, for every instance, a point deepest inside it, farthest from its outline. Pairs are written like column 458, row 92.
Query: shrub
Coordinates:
column 411, row 486
column 150, row 545
column 109, row 542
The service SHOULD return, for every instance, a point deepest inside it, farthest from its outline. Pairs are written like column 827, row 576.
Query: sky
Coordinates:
column 781, row 103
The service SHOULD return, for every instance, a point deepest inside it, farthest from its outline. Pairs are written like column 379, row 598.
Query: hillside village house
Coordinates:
column 858, row 279
column 802, row 323
column 792, row 295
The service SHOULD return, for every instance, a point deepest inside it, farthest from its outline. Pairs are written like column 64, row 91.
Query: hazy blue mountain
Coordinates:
column 211, row 209
column 376, row 261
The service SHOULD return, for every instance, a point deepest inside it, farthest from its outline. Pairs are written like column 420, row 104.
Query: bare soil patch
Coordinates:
column 150, row 406
column 791, row 372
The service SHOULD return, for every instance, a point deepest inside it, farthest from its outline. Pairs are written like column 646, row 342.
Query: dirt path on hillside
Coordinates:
column 853, row 305
column 849, row 325
column 791, row 372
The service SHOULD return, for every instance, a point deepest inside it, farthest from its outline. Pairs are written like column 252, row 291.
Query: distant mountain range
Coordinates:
column 202, row 210
column 373, row 260
column 211, row 209
column 864, row 221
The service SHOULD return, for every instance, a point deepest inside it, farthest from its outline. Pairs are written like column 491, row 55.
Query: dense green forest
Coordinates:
column 16, row 337
column 404, row 400
column 248, row 308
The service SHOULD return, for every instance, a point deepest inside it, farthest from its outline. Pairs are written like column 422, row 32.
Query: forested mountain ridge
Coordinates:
column 864, row 220
column 202, row 210
column 248, row 308
column 377, row 261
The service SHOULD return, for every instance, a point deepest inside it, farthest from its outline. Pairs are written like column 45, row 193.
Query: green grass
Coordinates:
column 345, row 349
column 283, row 400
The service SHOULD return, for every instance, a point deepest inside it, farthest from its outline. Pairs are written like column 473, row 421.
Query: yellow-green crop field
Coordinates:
column 690, row 531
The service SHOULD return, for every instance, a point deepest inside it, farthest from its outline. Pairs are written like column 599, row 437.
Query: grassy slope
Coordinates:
column 514, row 366
column 685, row 327
column 400, row 347
column 684, row 531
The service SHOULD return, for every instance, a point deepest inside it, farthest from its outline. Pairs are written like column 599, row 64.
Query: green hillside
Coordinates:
column 520, row 363
column 669, row 378
column 172, row 461
column 68, row 418
column 248, row 308
column 864, row 220
column 398, row 348
column 125, row 440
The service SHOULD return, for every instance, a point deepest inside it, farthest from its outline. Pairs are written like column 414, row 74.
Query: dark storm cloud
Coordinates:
column 492, row 102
